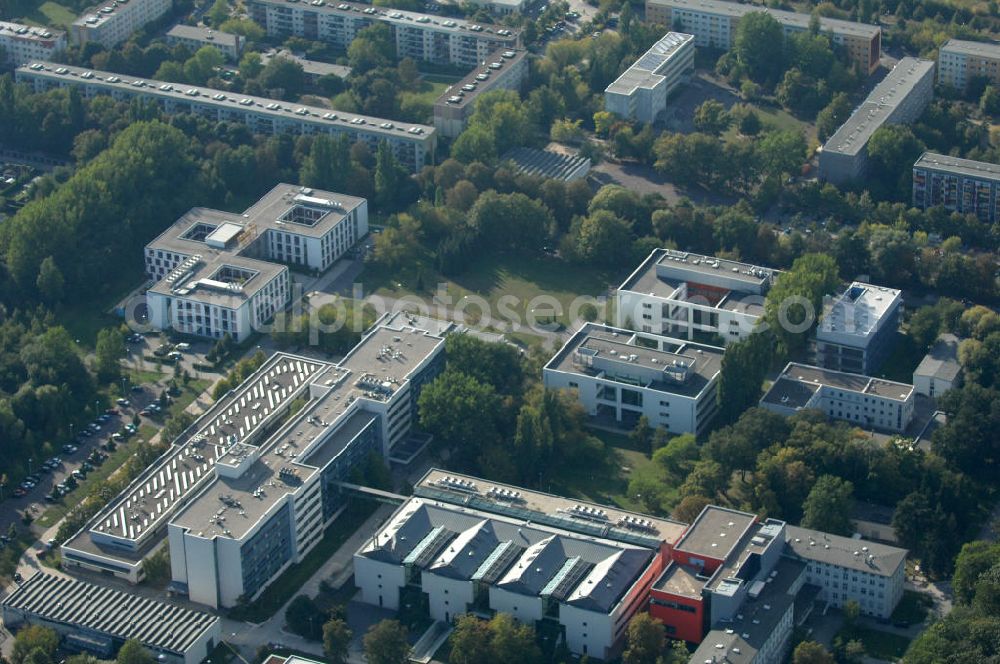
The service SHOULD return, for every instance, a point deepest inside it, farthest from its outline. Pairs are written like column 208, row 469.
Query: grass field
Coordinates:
column 520, row 280
column 878, row 644
column 51, row 14
column 773, row 118
column 912, row 608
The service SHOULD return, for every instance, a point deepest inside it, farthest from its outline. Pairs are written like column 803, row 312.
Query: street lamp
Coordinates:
column 30, row 461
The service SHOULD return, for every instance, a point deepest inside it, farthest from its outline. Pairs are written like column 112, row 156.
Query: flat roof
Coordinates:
column 700, row 363
column 681, row 581
column 966, row 47
column 980, row 170
column 842, row 380
column 388, row 353
column 858, row 311
column 13, row 30
column 104, row 610
column 790, row 392
column 231, row 507
column 470, row 88
column 645, row 72
column 645, row 278
column 534, row 560
column 309, row 67
column 566, row 513
column 715, row 532
column 215, row 437
column 404, row 19
column 786, row 18
column 183, row 93
column 853, row 135
column 857, row 554
column 942, row 360
column 202, row 34
column 739, row 641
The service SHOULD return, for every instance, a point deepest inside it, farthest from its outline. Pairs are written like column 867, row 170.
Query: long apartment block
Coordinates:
column 899, row 98
column 218, row 273
column 26, row 43
column 435, row 39
column 412, row 144
column 112, row 23
column 249, row 487
column 960, row 61
column 732, row 582
column 714, row 22
column 871, row 403
column 620, row 375
column 505, row 69
column 641, row 92
column 691, row 296
column 959, row 185
column 858, row 328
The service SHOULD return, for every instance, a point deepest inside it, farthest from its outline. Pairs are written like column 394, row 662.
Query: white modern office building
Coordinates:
column 858, row 328
column 713, row 24
column 940, row 369
column 113, row 23
column 899, row 98
column 641, row 92
column 26, row 43
column 219, row 273
column 463, row 558
column 691, row 296
column 413, row 145
column 620, row 375
column 426, row 37
column 194, row 37
column 249, row 488
column 959, row 185
column 869, row 403
column 960, row 60
column 506, row 69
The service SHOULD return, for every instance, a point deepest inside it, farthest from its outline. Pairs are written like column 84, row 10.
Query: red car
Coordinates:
column 18, row 492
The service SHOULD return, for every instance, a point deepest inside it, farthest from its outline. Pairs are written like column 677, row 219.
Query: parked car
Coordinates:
column 69, row 448
column 79, row 474
column 137, row 388
column 123, row 402
column 183, row 347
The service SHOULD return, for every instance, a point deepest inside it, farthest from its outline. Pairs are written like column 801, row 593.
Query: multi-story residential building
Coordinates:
column 959, row 61
column 899, row 98
column 872, row 403
column 686, row 295
column 959, row 185
column 98, row 619
column 213, row 270
column 641, row 92
column 25, row 43
column 113, row 23
column 503, row 70
column 713, row 24
column 858, row 328
column 413, row 145
column 940, row 369
column 620, row 375
column 426, row 37
column 729, row 581
column 194, row 37
column 249, row 488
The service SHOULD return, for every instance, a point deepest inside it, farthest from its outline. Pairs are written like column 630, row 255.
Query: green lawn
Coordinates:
column 878, row 644
column 291, row 580
column 51, row 14
column 604, row 480
column 776, row 118
column 520, row 280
